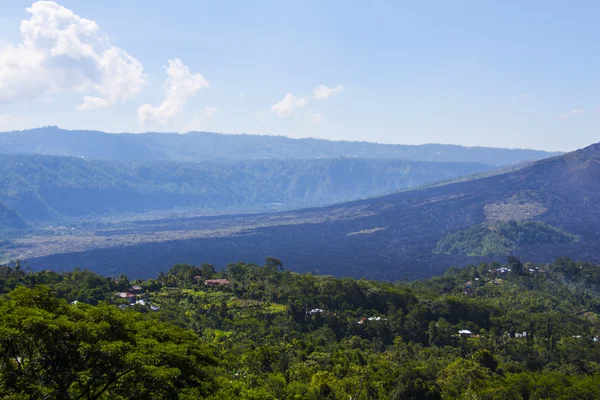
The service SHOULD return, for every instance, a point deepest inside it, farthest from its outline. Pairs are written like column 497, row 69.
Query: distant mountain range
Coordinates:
column 198, row 146
column 60, row 189
column 390, row 237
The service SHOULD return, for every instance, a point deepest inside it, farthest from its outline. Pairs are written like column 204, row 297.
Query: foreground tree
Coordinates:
column 52, row 349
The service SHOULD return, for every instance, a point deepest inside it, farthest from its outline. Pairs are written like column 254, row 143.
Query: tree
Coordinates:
column 460, row 376
column 515, row 265
column 183, row 274
column 486, row 359
column 122, row 282
column 51, row 349
column 273, row 264
column 207, row 271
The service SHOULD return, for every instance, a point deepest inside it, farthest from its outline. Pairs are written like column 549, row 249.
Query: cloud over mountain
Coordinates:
column 200, row 120
column 288, row 104
column 180, row 87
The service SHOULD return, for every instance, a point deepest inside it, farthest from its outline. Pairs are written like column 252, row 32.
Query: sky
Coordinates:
column 477, row 73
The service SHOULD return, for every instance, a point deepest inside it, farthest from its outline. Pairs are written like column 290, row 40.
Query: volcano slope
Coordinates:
column 391, row 237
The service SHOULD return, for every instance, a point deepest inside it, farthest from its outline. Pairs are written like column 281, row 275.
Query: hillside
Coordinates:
column 501, row 238
column 197, row 146
column 391, row 237
column 11, row 226
column 9, row 219
column 45, row 188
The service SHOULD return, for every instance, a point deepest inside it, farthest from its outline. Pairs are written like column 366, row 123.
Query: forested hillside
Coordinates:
column 9, row 219
column 48, row 187
column 491, row 331
column 502, row 238
column 197, row 146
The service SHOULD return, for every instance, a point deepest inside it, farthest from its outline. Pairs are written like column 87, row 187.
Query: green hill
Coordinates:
column 501, row 238
column 10, row 220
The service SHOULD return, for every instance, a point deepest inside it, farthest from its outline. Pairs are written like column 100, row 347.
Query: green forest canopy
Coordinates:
column 265, row 333
column 501, row 238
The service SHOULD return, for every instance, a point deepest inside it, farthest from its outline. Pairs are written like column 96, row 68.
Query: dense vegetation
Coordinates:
column 501, row 238
column 46, row 187
column 198, row 146
column 273, row 334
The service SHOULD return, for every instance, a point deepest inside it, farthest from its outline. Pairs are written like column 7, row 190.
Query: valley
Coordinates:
column 399, row 232
column 138, row 217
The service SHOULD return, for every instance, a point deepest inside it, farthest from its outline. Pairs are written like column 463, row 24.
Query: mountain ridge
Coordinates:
column 196, row 146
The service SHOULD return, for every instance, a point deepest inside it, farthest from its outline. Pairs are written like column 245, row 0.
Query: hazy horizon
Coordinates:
column 287, row 137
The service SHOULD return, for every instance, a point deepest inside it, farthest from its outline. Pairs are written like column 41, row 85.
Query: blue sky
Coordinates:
column 503, row 74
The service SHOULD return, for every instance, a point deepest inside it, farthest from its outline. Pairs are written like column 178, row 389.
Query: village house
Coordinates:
column 499, row 271
column 127, row 296
column 217, row 282
column 465, row 333
column 136, row 289
column 364, row 319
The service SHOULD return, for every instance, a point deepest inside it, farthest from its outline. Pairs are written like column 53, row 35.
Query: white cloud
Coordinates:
column 315, row 117
column 573, row 113
column 286, row 106
column 242, row 97
column 323, row 92
column 201, row 119
column 180, row 87
column 60, row 52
